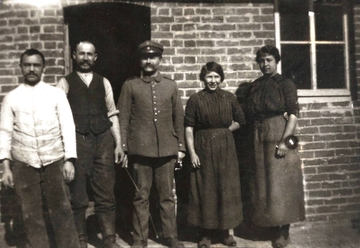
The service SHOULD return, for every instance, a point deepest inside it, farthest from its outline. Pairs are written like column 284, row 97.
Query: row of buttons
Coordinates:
column 154, row 100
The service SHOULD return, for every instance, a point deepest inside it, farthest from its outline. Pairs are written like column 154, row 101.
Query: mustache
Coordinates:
column 85, row 63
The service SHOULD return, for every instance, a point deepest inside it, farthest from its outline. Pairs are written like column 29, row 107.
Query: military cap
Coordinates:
column 150, row 46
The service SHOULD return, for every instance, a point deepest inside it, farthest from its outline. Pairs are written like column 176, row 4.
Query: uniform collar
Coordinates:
column 148, row 79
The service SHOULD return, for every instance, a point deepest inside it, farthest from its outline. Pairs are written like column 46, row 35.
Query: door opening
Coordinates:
column 116, row 29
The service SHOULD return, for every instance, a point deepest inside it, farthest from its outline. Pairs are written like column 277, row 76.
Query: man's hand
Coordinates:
column 7, row 177
column 125, row 162
column 180, row 156
column 119, row 154
column 68, row 171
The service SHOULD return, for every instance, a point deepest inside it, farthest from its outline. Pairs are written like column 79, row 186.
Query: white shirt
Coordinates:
column 37, row 125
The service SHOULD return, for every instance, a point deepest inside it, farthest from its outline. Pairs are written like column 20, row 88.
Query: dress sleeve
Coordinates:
column 190, row 112
column 291, row 98
column 238, row 114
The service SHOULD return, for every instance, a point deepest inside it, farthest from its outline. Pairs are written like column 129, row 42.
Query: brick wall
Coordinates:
column 356, row 24
column 329, row 135
column 195, row 34
column 229, row 34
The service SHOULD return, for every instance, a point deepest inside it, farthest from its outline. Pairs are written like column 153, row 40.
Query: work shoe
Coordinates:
column 205, row 242
column 83, row 244
column 139, row 244
column 173, row 243
column 280, row 242
column 229, row 241
column 83, row 241
column 110, row 242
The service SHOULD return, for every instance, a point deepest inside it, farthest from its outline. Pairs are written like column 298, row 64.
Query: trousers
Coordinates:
column 161, row 171
column 95, row 164
column 45, row 188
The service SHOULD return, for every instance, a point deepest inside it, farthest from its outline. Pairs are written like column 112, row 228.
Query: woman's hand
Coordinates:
column 194, row 158
column 195, row 161
column 281, row 149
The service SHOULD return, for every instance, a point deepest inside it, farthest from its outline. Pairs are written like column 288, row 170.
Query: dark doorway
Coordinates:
column 116, row 29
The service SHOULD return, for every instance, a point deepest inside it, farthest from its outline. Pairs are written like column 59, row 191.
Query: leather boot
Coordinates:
column 283, row 240
column 107, row 225
column 80, row 224
column 226, row 238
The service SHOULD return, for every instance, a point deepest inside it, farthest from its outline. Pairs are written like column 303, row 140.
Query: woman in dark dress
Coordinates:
column 278, row 196
column 215, row 199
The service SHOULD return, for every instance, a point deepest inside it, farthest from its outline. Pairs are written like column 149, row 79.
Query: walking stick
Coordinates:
column 137, row 189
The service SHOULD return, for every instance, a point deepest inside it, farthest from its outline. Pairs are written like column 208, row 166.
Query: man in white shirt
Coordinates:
column 37, row 151
column 98, row 143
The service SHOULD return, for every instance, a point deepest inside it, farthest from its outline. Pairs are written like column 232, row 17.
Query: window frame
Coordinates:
column 340, row 94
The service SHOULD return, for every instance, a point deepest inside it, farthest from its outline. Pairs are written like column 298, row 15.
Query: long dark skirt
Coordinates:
column 278, row 195
column 215, row 197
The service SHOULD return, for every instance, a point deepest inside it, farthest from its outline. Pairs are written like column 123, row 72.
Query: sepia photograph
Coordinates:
column 179, row 123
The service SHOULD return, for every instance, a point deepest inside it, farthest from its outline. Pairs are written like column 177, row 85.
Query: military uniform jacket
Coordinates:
column 151, row 117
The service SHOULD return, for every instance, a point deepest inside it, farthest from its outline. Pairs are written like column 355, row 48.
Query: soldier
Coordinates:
column 151, row 122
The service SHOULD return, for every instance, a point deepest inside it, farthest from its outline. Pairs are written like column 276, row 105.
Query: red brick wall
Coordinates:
column 229, row 34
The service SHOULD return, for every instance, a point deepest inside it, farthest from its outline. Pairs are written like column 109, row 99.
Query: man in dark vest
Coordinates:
column 98, row 143
column 152, row 127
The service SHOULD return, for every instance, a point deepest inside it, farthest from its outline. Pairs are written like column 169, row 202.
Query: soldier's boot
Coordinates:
column 107, row 225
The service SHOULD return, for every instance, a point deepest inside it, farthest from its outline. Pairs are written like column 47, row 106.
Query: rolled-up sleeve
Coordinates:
column 291, row 98
column 109, row 99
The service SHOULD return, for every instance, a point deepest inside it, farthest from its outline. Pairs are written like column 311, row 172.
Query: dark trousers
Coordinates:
column 161, row 171
column 45, row 186
column 95, row 164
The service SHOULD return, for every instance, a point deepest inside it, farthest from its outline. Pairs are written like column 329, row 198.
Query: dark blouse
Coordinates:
column 213, row 109
column 273, row 96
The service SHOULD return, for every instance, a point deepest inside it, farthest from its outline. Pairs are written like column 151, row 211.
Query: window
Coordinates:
column 312, row 36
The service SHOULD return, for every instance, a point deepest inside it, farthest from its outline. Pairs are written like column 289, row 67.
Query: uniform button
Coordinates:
column 155, row 113
column 154, row 91
column 155, row 119
column 154, row 102
column 154, row 96
column 155, row 108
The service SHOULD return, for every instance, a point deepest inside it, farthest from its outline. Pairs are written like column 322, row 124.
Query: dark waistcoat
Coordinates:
column 88, row 104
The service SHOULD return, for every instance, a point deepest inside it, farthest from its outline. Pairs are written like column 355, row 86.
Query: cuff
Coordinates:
column 181, row 147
